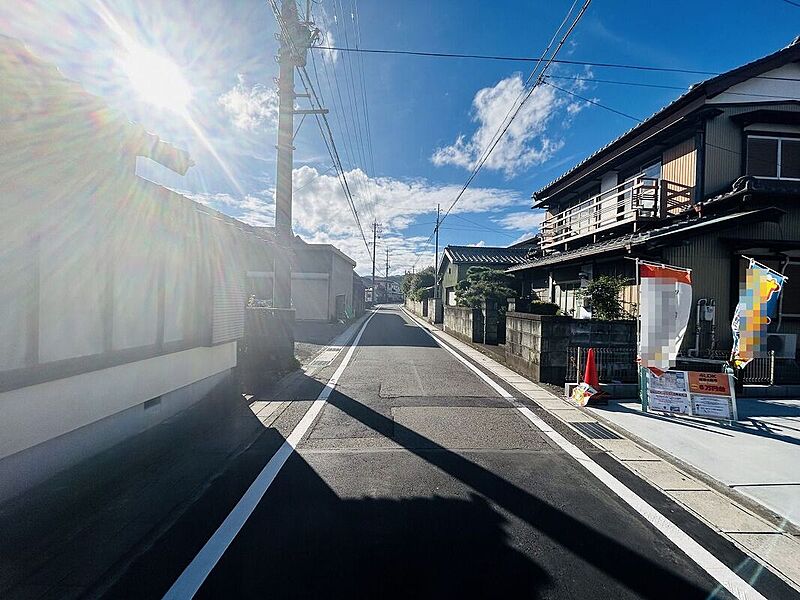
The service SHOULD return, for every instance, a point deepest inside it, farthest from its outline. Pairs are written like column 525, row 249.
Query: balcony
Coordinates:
column 636, row 201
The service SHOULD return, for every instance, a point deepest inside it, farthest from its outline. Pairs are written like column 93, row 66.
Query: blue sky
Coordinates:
column 427, row 117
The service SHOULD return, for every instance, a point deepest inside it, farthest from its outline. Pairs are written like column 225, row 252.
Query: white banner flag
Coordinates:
column 665, row 300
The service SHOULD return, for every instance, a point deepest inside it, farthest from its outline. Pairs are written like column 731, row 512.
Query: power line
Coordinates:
column 665, row 87
column 561, row 61
column 484, row 228
column 507, row 121
column 310, row 181
column 594, row 102
column 638, row 120
column 321, row 118
column 538, row 82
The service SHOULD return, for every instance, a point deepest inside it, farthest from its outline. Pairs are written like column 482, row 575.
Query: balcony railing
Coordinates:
column 637, row 200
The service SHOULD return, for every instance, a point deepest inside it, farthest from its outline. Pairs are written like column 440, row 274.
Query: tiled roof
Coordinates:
column 486, row 254
column 694, row 92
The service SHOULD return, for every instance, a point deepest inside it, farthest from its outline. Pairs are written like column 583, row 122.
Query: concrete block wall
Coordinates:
column 268, row 345
column 418, row 308
column 464, row 323
column 537, row 345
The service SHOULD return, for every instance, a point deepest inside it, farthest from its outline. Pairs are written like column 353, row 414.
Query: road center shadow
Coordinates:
column 641, row 574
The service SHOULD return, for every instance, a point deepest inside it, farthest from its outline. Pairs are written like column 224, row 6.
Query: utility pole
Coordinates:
column 374, row 238
column 386, row 287
column 436, row 259
column 295, row 41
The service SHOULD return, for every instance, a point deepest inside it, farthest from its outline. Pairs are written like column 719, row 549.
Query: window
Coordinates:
column 773, row 157
column 652, row 171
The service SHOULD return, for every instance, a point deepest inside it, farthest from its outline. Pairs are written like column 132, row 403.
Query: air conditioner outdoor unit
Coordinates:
column 784, row 344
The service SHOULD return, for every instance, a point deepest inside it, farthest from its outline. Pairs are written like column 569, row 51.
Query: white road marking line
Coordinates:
column 702, row 557
column 197, row 571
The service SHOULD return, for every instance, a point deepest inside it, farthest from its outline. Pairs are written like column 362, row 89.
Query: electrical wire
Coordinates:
column 504, row 127
column 561, row 61
column 665, row 87
column 538, row 82
column 321, row 118
column 638, row 120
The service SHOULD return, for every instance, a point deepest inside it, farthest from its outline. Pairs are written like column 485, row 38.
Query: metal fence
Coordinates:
column 760, row 370
column 613, row 364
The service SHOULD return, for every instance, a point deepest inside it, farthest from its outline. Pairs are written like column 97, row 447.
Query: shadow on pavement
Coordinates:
column 85, row 523
column 747, row 422
column 639, row 573
column 404, row 334
column 305, row 541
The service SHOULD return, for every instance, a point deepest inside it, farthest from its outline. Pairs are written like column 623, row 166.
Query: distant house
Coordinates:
column 122, row 302
column 709, row 179
column 456, row 261
column 386, row 290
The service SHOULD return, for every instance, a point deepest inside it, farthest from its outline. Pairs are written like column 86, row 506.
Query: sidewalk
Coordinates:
column 76, row 532
column 758, row 457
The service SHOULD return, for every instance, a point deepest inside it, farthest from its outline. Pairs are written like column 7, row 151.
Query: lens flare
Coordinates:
column 157, row 79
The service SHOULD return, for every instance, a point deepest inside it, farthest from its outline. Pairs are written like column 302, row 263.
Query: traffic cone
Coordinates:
column 588, row 392
column 590, row 373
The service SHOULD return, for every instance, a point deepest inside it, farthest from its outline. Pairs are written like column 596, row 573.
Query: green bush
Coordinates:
column 413, row 285
column 604, row 294
column 482, row 283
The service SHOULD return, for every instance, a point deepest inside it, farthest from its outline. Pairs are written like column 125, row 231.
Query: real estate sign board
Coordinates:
column 708, row 395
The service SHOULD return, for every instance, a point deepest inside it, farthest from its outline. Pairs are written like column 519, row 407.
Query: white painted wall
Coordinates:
column 38, row 413
column 72, row 282
column 135, row 293
column 768, row 90
column 14, row 295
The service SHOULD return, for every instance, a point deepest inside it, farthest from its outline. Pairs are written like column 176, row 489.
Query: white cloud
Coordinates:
column 250, row 106
column 329, row 56
column 527, row 141
column 524, row 237
column 321, row 214
column 319, row 201
column 480, row 244
column 528, row 221
column 250, row 209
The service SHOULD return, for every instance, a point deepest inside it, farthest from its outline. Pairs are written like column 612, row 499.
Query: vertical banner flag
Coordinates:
column 758, row 303
column 665, row 300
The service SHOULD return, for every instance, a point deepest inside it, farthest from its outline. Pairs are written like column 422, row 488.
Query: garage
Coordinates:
column 310, row 296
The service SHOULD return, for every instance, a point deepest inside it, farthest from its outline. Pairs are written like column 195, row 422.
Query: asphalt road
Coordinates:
column 418, row 479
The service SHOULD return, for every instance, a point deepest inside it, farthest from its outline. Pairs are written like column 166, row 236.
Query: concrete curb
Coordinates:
column 757, row 536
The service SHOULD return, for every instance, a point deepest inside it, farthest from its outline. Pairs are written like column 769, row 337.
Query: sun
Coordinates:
column 157, row 79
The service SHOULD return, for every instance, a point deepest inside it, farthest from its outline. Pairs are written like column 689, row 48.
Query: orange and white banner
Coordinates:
column 665, row 300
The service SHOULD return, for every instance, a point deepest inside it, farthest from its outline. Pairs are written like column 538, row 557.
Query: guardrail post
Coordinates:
column 578, row 364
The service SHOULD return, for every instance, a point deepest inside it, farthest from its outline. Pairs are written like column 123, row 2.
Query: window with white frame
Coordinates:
column 773, row 157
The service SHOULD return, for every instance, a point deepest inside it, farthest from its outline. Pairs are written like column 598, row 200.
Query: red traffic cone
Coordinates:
column 590, row 374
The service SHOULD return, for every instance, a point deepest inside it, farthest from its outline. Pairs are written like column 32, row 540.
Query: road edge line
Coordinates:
column 684, row 542
column 196, row 572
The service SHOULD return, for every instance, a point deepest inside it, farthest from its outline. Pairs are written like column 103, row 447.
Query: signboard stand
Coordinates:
column 692, row 393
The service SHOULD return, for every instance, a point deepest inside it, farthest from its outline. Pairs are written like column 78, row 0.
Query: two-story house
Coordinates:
column 712, row 177
column 457, row 260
